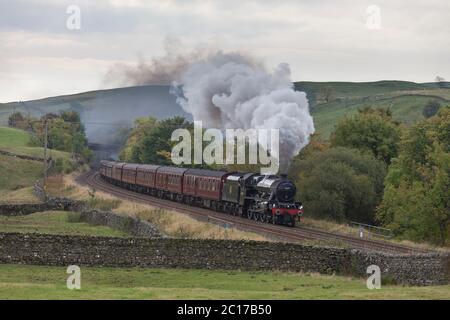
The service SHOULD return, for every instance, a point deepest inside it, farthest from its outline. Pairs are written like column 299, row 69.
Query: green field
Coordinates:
column 406, row 109
column 17, row 173
column 54, row 222
column 405, row 99
column 41, row 282
column 23, row 195
column 10, row 137
column 16, row 141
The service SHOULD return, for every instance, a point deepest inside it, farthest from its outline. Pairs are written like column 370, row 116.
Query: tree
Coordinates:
column 339, row 184
column 155, row 145
column 431, row 108
column 369, row 130
column 65, row 133
column 440, row 81
column 327, row 93
column 142, row 126
column 15, row 120
column 416, row 202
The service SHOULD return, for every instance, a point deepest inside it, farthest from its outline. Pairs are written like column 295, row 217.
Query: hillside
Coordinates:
column 331, row 101
column 17, row 173
column 105, row 111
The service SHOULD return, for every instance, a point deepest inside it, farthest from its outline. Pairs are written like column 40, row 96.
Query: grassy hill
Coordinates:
column 331, row 101
column 105, row 111
column 17, row 173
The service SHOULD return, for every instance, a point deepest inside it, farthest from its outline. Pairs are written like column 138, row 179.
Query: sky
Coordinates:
column 44, row 53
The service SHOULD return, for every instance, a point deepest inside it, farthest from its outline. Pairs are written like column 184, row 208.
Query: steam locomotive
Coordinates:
column 259, row 197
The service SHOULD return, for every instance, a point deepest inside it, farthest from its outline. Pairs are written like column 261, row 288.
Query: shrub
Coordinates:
column 339, row 184
column 369, row 130
column 431, row 108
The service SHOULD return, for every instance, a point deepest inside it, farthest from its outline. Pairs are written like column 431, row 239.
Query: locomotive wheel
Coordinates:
column 291, row 223
column 249, row 215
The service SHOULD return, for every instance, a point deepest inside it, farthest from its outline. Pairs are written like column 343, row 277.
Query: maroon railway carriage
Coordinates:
column 204, row 187
column 117, row 169
column 129, row 174
column 146, row 175
column 106, row 168
column 205, row 184
column 170, row 179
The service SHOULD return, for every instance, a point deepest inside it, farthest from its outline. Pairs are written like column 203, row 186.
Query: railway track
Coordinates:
column 283, row 233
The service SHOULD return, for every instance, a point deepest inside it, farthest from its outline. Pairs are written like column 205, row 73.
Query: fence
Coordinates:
column 370, row 231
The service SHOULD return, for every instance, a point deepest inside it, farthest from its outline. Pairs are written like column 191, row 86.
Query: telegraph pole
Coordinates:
column 45, row 151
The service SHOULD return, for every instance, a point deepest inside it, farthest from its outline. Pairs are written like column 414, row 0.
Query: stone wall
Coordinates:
column 21, row 156
column 134, row 226
column 218, row 254
column 131, row 225
column 50, row 204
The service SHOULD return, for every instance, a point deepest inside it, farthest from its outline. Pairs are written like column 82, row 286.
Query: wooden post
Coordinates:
column 45, row 151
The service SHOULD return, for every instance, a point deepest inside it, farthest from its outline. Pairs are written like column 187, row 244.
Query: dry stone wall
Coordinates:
column 429, row 269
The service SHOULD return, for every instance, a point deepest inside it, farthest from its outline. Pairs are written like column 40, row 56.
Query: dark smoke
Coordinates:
column 166, row 69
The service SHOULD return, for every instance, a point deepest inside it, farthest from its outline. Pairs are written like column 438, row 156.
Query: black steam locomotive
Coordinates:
column 259, row 197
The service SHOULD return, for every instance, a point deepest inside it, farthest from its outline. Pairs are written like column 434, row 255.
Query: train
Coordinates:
column 264, row 198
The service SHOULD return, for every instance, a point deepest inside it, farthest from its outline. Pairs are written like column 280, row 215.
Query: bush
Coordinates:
column 416, row 202
column 339, row 184
column 63, row 165
column 369, row 130
column 431, row 108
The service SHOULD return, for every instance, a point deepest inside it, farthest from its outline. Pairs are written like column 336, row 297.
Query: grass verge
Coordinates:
column 17, row 173
column 42, row 282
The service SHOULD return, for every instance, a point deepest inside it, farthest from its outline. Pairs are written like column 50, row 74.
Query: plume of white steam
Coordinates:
column 229, row 91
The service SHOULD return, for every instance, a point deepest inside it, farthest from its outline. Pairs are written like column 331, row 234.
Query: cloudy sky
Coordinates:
column 321, row 40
